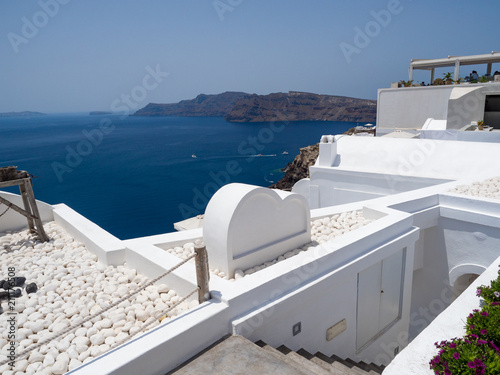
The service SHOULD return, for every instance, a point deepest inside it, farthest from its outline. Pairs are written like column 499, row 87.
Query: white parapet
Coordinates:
column 248, row 225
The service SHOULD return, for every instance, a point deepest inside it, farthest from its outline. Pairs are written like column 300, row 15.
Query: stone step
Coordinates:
column 319, row 363
column 312, row 366
column 237, row 355
column 371, row 368
column 295, row 360
column 338, row 367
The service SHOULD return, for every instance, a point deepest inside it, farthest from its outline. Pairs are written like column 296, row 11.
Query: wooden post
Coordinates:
column 27, row 208
column 34, row 209
column 9, row 176
column 202, row 272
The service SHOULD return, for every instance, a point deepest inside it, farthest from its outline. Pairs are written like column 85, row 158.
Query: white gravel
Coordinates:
column 487, row 189
column 322, row 230
column 72, row 285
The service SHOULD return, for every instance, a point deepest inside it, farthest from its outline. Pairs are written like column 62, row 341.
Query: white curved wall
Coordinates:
column 247, row 225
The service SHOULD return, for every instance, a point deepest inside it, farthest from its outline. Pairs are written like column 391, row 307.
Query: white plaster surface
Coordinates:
column 72, row 285
column 424, row 158
column 322, row 230
column 414, row 359
column 409, row 108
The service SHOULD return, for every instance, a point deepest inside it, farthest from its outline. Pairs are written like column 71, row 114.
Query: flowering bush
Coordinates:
column 464, row 356
column 490, row 293
column 485, row 323
column 478, row 353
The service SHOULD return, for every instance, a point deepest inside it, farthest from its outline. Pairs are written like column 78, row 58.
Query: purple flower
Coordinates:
column 472, row 327
column 484, row 332
column 482, row 342
column 452, row 345
column 456, row 355
column 497, row 294
column 478, row 292
column 484, row 313
column 471, row 364
column 494, row 303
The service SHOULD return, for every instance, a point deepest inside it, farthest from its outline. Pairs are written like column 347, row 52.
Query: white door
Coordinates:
column 379, row 297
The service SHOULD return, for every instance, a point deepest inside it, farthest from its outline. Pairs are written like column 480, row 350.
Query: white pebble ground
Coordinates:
column 322, row 230
column 72, row 285
column 487, row 189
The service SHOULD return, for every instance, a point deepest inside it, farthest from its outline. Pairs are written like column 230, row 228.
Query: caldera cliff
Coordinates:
column 302, row 106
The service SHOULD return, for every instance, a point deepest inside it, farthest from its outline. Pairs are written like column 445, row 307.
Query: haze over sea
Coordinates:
column 136, row 176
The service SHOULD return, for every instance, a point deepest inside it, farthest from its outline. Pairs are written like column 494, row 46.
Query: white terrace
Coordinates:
column 397, row 248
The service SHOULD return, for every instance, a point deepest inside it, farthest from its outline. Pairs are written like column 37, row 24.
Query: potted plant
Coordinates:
column 483, row 79
column 438, row 82
column 406, row 83
column 458, row 81
column 480, row 125
column 447, row 78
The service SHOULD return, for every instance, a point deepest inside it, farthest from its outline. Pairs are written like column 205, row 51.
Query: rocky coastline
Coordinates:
column 298, row 168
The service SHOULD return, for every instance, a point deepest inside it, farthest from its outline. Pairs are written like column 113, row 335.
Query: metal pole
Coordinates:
column 202, row 272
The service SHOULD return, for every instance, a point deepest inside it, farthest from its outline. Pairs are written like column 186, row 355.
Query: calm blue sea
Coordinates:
column 136, row 176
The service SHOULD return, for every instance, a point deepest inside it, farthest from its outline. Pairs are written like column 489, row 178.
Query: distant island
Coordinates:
column 22, row 114
column 100, row 113
column 291, row 106
column 202, row 106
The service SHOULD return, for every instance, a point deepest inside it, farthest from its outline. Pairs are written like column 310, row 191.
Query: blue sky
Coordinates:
column 74, row 55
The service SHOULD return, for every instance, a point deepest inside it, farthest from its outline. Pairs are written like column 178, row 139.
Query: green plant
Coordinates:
column 468, row 355
column 483, row 79
column 458, row 81
column 490, row 293
column 485, row 323
column 406, row 83
column 446, row 76
column 478, row 352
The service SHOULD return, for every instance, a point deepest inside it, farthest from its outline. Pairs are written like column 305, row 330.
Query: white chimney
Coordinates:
column 327, row 151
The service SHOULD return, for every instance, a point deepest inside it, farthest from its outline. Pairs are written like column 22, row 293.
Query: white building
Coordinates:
column 366, row 289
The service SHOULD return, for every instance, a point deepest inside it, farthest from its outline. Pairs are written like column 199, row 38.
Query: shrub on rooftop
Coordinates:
column 490, row 293
column 485, row 323
column 478, row 352
column 464, row 356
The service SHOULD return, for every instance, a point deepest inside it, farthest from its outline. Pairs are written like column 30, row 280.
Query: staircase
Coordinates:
column 320, row 363
column 237, row 355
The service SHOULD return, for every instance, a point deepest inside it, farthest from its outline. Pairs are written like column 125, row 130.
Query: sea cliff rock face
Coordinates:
column 298, row 168
column 203, row 106
column 300, row 106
